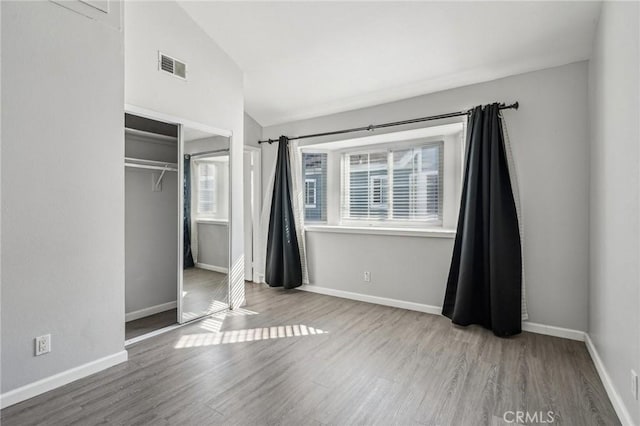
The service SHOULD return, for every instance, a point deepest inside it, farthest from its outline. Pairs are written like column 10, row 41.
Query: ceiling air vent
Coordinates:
column 172, row 66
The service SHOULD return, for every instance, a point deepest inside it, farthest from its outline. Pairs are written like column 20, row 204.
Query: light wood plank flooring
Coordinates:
column 151, row 323
column 297, row 358
column 203, row 291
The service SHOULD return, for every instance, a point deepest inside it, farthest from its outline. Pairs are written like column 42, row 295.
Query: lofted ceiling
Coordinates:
column 306, row 59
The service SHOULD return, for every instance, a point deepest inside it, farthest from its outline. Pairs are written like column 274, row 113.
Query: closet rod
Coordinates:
column 144, row 166
column 372, row 127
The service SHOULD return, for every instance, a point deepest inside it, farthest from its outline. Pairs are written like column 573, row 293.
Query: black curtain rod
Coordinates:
column 372, row 127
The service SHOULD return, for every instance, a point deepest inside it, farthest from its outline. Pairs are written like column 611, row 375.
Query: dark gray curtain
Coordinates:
column 485, row 279
column 283, row 265
column 188, row 256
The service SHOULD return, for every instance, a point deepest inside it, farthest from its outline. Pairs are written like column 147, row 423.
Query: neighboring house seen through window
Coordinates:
column 310, row 193
column 314, row 172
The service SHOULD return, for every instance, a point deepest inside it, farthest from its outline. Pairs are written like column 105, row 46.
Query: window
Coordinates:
column 401, row 182
column 207, row 181
column 314, row 172
column 310, row 194
column 394, row 185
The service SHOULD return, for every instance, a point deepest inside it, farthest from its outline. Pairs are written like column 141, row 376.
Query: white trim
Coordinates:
column 145, row 312
column 207, row 221
column 375, row 230
column 52, row 382
column 256, row 155
column 531, row 327
column 221, row 269
column 152, row 334
column 412, row 306
column 550, row 330
column 612, row 393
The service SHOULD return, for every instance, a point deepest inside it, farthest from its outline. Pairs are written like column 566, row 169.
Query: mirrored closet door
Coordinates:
column 205, row 213
column 151, row 219
column 177, row 210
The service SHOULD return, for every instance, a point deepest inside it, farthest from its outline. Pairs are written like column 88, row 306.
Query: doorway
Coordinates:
column 252, row 208
column 177, row 222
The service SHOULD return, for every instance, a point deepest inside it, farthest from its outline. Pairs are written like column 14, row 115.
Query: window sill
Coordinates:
column 371, row 230
column 213, row 221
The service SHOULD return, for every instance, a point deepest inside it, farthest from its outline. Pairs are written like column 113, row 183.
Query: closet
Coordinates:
column 177, row 224
column 151, row 217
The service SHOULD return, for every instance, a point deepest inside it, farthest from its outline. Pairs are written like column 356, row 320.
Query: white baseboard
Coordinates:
column 614, row 396
column 550, row 330
column 437, row 310
column 412, row 306
column 220, row 269
column 52, row 382
column 145, row 312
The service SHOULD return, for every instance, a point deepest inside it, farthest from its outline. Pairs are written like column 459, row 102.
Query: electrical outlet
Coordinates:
column 43, row 344
column 634, row 384
column 367, row 276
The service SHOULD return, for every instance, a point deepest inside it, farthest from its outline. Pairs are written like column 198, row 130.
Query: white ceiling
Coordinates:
column 306, row 59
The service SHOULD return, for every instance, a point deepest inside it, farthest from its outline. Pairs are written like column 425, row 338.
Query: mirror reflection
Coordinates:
column 206, row 224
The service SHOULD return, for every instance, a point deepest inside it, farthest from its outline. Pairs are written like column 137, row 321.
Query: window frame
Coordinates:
column 452, row 133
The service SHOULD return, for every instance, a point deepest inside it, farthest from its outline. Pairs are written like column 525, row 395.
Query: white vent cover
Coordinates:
column 172, row 66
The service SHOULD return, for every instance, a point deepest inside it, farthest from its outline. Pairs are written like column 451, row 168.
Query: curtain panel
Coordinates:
column 485, row 278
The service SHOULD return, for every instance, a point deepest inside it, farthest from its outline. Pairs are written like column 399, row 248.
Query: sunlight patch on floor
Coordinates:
column 245, row 335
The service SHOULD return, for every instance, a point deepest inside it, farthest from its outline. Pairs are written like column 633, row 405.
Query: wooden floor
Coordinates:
column 295, row 358
column 203, row 291
column 151, row 323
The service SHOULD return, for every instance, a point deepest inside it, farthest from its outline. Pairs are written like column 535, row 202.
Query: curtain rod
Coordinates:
column 372, row 127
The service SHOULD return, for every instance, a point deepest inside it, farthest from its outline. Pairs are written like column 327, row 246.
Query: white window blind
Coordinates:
column 395, row 185
column 314, row 172
column 206, row 188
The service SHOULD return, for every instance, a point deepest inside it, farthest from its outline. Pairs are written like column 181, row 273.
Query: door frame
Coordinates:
column 256, row 207
column 182, row 123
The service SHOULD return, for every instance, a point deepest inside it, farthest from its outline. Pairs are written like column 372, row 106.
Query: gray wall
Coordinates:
column 151, row 229
column 62, row 190
column 252, row 131
column 614, row 319
column 206, row 144
column 212, row 94
column 213, row 244
column 550, row 146
column 149, row 149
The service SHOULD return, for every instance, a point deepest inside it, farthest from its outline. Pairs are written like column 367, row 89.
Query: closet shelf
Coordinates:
column 150, row 164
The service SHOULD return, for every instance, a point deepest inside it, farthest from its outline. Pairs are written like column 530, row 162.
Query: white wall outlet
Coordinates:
column 634, row 384
column 43, row 344
column 367, row 277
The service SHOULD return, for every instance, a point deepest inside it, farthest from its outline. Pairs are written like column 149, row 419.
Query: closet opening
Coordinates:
column 176, row 224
